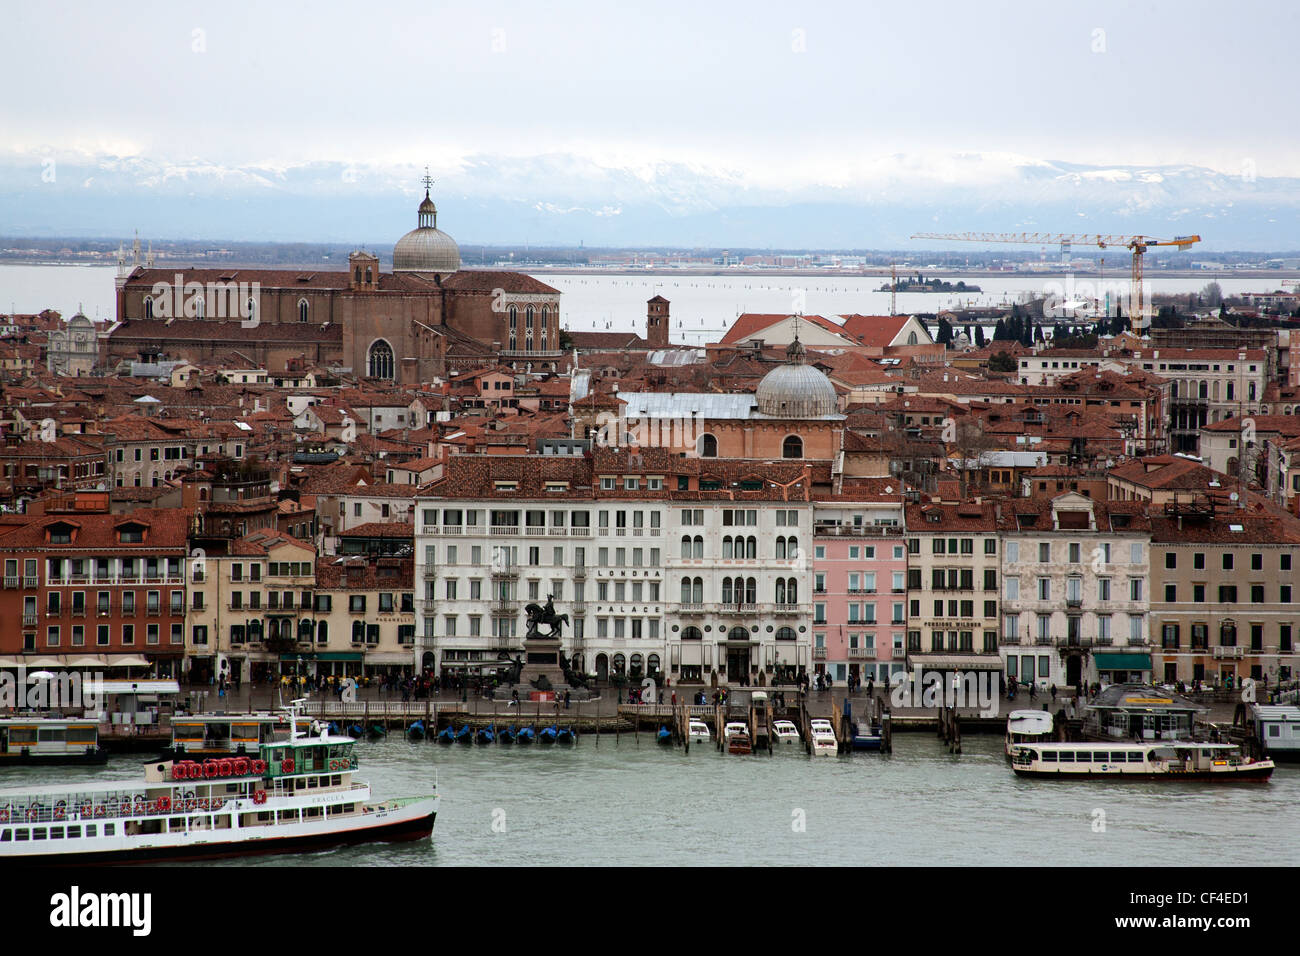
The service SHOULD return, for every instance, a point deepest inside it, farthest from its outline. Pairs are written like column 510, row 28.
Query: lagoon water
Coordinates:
column 703, row 307
column 630, row 802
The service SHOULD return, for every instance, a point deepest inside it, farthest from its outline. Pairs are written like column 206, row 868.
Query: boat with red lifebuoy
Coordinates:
column 296, row 794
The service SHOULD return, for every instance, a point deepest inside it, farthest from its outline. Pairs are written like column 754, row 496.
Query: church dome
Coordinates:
column 796, row 390
column 426, row 248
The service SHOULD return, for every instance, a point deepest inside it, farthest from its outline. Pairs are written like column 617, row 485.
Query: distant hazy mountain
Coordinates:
column 563, row 199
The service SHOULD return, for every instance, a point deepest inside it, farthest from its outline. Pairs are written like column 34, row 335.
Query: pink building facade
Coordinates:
column 859, row 589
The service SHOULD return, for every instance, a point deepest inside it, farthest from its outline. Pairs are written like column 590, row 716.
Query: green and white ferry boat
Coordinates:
column 296, row 794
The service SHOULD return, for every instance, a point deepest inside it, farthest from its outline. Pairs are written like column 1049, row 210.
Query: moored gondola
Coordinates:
column 416, row 730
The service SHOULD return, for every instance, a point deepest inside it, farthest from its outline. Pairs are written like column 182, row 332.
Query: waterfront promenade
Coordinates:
column 377, row 702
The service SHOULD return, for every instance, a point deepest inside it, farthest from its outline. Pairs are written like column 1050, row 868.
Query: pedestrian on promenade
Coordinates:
column 1053, row 693
column 567, row 697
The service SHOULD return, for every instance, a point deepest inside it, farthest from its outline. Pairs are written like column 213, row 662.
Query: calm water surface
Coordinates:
column 606, row 803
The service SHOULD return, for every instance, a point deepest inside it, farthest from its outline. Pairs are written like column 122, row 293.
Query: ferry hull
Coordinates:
column 398, row 831
column 100, row 756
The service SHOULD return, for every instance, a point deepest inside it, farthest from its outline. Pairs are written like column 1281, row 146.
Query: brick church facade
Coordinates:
column 406, row 326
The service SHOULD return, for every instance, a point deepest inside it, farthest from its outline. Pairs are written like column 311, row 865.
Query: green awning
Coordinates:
column 1123, row 662
column 324, row 656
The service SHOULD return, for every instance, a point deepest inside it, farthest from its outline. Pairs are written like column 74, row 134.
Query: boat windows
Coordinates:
column 311, row 812
column 21, row 834
column 349, row 808
column 74, row 833
column 311, row 783
column 1049, row 756
column 56, row 833
column 1135, row 756
column 109, row 829
column 1067, row 756
column 336, row 780
column 38, row 833
column 92, row 829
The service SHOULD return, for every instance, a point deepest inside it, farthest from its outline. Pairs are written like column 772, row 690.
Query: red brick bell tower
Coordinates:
column 656, row 322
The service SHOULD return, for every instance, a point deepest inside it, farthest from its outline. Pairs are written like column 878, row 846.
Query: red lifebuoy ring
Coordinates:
column 4, row 816
column 165, row 804
column 210, row 769
column 33, row 812
column 241, row 766
column 179, row 771
column 225, row 767
column 60, row 810
column 99, row 810
column 286, row 765
column 259, row 796
column 259, row 766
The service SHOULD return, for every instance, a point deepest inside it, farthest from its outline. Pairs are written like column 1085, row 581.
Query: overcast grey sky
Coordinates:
column 778, row 90
column 668, row 122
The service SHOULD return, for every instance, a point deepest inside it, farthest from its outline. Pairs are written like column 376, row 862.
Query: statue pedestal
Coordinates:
column 542, row 659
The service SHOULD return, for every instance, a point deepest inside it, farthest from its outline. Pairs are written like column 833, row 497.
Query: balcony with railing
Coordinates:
column 862, row 653
column 819, row 653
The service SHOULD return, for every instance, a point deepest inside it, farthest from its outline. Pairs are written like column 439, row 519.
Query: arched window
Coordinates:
column 698, row 546
column 620, row 663
column 148, row 307
column 686, row 547
column 786, row 634
column 514, row 318
column 358, row 275
column 200, row 308
column 302, row 310
column 727, row 547
column 708, row 446
column 792, row 447
column 380, row 361
column 304, row 629
column 780, row 548
column 792, row 591
column 1204, row 391
column 697, row 591
column 528, row 318
column 636, row 665
column 791, row 548
column 780, row 590
column 686, row 590
column 726, row 591
column 652, row 664
column 250, row 310
column 751, row 590
column 911, row 338
column 738, row 633
column 368, row 279
column 692, row 634
column 322, row 632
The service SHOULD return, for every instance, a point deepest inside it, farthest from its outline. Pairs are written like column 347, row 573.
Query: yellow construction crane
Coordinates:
column 1137, row 244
